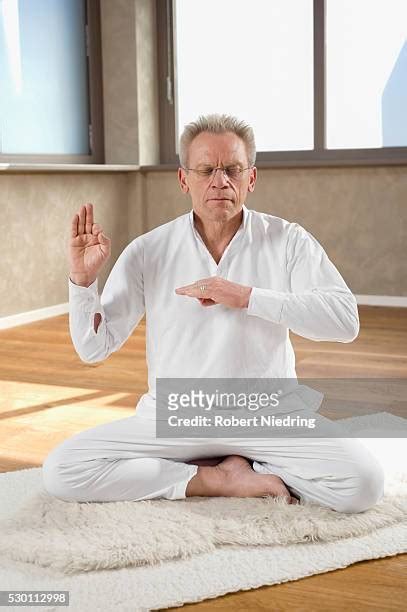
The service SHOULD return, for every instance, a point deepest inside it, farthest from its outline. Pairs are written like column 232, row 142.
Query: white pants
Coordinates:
column 124, row 461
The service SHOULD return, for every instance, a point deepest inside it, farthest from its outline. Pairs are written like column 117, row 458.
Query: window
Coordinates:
column 283, row 82
column 321, row 82
column 50, row 81
column 366, row 75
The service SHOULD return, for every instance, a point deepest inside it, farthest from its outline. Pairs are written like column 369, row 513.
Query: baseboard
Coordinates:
column 22, row 318
column 382, row 300
column 31, row 316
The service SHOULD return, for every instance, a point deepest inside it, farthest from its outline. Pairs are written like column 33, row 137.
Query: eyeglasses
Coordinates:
column 234, row 173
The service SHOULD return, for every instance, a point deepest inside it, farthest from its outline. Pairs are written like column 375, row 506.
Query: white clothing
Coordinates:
column 123, row 460
column 295, row 286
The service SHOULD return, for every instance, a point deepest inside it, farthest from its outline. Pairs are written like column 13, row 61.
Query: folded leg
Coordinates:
column 340, row 473
column 121, row 460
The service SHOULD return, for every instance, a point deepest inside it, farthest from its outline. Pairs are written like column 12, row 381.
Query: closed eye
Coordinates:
column 207, row 171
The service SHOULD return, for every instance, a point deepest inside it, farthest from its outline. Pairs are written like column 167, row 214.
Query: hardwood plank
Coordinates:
column 48, row 394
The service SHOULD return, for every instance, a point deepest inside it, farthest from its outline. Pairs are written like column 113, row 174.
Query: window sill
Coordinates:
column 171, row 167
column 11, row 167
column 299, row 163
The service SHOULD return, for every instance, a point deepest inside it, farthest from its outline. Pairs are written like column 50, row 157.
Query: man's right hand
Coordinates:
column 89, row 248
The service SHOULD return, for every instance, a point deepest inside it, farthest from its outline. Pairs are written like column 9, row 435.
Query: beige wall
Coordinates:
column 36, row 211
column 119, row 66
column 359, row 215
column 129, row 65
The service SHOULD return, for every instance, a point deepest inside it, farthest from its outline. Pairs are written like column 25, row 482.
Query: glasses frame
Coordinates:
column 214, row 170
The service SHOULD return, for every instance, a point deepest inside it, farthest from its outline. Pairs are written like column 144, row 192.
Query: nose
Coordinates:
column 220, row 179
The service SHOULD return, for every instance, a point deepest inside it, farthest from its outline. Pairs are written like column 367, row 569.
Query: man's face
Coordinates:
column 217, row 198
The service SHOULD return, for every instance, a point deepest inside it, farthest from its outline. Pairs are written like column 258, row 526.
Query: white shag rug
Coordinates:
column 173, row 552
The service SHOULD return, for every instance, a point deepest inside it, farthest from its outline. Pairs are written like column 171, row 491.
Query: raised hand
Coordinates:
column 89, row 248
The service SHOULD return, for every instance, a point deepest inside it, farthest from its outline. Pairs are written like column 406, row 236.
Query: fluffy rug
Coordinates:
column 90, row 536
column 45, row 541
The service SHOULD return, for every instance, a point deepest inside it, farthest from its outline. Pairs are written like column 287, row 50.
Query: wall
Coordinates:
column 36, row 212
column 131, row 128
column 359, row 215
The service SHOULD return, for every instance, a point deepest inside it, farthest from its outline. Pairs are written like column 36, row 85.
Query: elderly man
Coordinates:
column 220, row 286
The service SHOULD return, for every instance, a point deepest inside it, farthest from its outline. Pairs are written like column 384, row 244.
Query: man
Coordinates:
column 220, row 286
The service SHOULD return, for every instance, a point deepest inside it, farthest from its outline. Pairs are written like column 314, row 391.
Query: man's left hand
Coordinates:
column 217, row 290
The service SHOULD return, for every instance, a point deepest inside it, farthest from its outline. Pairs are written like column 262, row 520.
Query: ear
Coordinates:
column 182, row 180
column 252, row 179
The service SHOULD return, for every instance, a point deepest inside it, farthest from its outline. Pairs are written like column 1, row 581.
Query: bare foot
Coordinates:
column 242, row 481
column 233, row 476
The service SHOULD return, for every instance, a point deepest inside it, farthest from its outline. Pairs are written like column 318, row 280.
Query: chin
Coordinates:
column 220, row 206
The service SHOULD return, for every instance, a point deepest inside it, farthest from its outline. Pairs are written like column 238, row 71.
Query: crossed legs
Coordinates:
column 124, row 461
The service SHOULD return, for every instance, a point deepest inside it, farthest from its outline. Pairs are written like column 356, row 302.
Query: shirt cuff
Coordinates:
column 86, row 298
column 267, row 304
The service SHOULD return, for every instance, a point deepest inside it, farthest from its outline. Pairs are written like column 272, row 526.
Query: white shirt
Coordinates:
column 295, row 286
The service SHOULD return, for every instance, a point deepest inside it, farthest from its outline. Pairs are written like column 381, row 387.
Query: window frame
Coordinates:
column 95, row 101
column 319, row 156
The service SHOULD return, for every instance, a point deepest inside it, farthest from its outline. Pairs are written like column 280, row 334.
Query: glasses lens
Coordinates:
column 206, row 172
column 233, row 172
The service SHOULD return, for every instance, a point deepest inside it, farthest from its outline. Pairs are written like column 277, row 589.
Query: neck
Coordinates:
column 218, row 234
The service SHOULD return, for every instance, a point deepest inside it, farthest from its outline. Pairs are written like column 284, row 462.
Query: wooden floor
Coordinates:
column 47, row 394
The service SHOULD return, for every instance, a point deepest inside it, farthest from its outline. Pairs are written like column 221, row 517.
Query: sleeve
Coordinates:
column 121, row 306
column 319, row 305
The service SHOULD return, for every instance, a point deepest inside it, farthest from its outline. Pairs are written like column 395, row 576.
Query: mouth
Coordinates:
column 219, row 200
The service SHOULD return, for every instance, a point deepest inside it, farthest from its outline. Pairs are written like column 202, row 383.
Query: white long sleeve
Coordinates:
column 121, row 306
column 295, row 286
column 319, row 305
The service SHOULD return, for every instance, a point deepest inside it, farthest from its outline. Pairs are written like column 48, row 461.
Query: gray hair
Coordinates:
column 217, row 124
